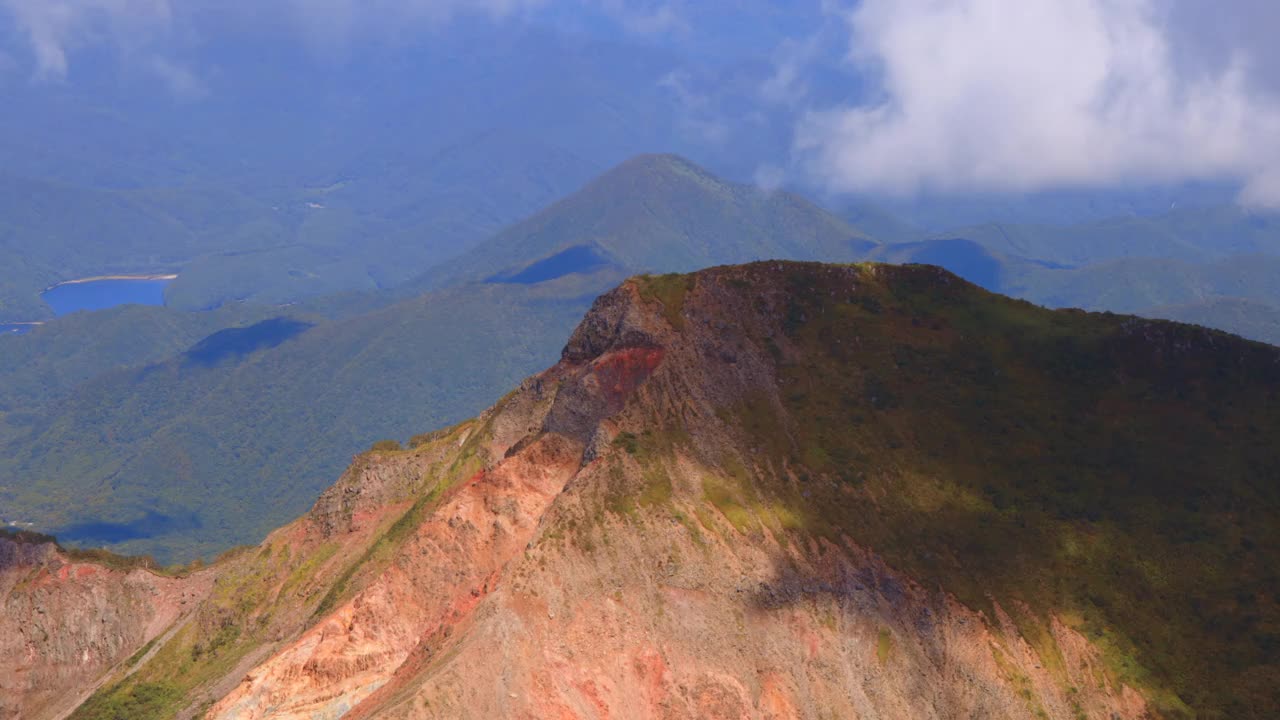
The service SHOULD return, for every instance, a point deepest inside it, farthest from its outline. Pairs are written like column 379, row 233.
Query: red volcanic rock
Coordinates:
column 64, row 623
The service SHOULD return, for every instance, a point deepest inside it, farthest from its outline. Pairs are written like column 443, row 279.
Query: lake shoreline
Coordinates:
column 98, row 278
column 19, row 328
column 106, row 291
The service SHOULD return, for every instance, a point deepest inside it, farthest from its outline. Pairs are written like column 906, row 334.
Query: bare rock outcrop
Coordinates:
column 65, row 622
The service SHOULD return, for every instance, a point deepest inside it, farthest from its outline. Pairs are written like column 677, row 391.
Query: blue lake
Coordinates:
column 103, row 294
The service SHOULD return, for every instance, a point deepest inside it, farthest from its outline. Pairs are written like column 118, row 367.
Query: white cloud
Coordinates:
column 769, row 177
column 180, row 81
column 1032, row 94
column 787, row 84
column 697, row 116
column 54, row 28
column 331, row 22
column 646, row 18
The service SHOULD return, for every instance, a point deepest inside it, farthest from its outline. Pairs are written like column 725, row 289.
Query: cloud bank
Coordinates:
column 329, row 22
column 992, row 95
column 970, row 95
column 54, row 30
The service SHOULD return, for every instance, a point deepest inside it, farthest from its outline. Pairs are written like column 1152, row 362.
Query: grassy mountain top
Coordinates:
column 1112, row 472
column 1232, row 293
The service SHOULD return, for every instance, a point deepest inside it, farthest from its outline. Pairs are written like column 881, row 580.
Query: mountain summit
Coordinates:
column 658, row 213
column 770, row 491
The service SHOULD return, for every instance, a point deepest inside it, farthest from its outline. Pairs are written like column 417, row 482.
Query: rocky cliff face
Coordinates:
column 777, row 491
column 65, row 622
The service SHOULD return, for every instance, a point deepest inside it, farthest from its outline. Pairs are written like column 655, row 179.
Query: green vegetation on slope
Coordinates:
column 1112, row 472
column 53, row 360
column 1207, row 292
column 661, row 213
column 147, row 701
column 150, row 459
column 183, row 460
column 180, row 460
column 1120, row 473
column 278, row 590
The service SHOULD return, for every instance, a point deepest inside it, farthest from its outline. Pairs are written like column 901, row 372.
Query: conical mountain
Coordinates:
column 657, row 213
column 780, row 490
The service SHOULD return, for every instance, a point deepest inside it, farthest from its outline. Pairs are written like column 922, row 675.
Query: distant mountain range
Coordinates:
column 1245, row 318
column 135, row 445
column 178, row 458
column 240, row 190
column 1237, row 293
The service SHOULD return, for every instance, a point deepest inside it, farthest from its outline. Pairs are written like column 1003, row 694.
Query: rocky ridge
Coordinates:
column 739, row 494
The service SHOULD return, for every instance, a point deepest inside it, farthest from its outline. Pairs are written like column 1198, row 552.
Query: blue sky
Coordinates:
column 1003, row 95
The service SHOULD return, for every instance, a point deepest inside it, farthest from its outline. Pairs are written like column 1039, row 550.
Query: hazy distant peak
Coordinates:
column 651, row 167
column 660, row 213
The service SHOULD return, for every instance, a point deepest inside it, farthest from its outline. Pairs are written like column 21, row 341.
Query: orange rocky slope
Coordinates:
column 64, row 622
column 649, row 530
column 561, row 583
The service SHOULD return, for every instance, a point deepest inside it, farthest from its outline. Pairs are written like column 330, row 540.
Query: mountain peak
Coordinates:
column 749, row 489
column 658, row 213
column 658, row 161
column 667, row 164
